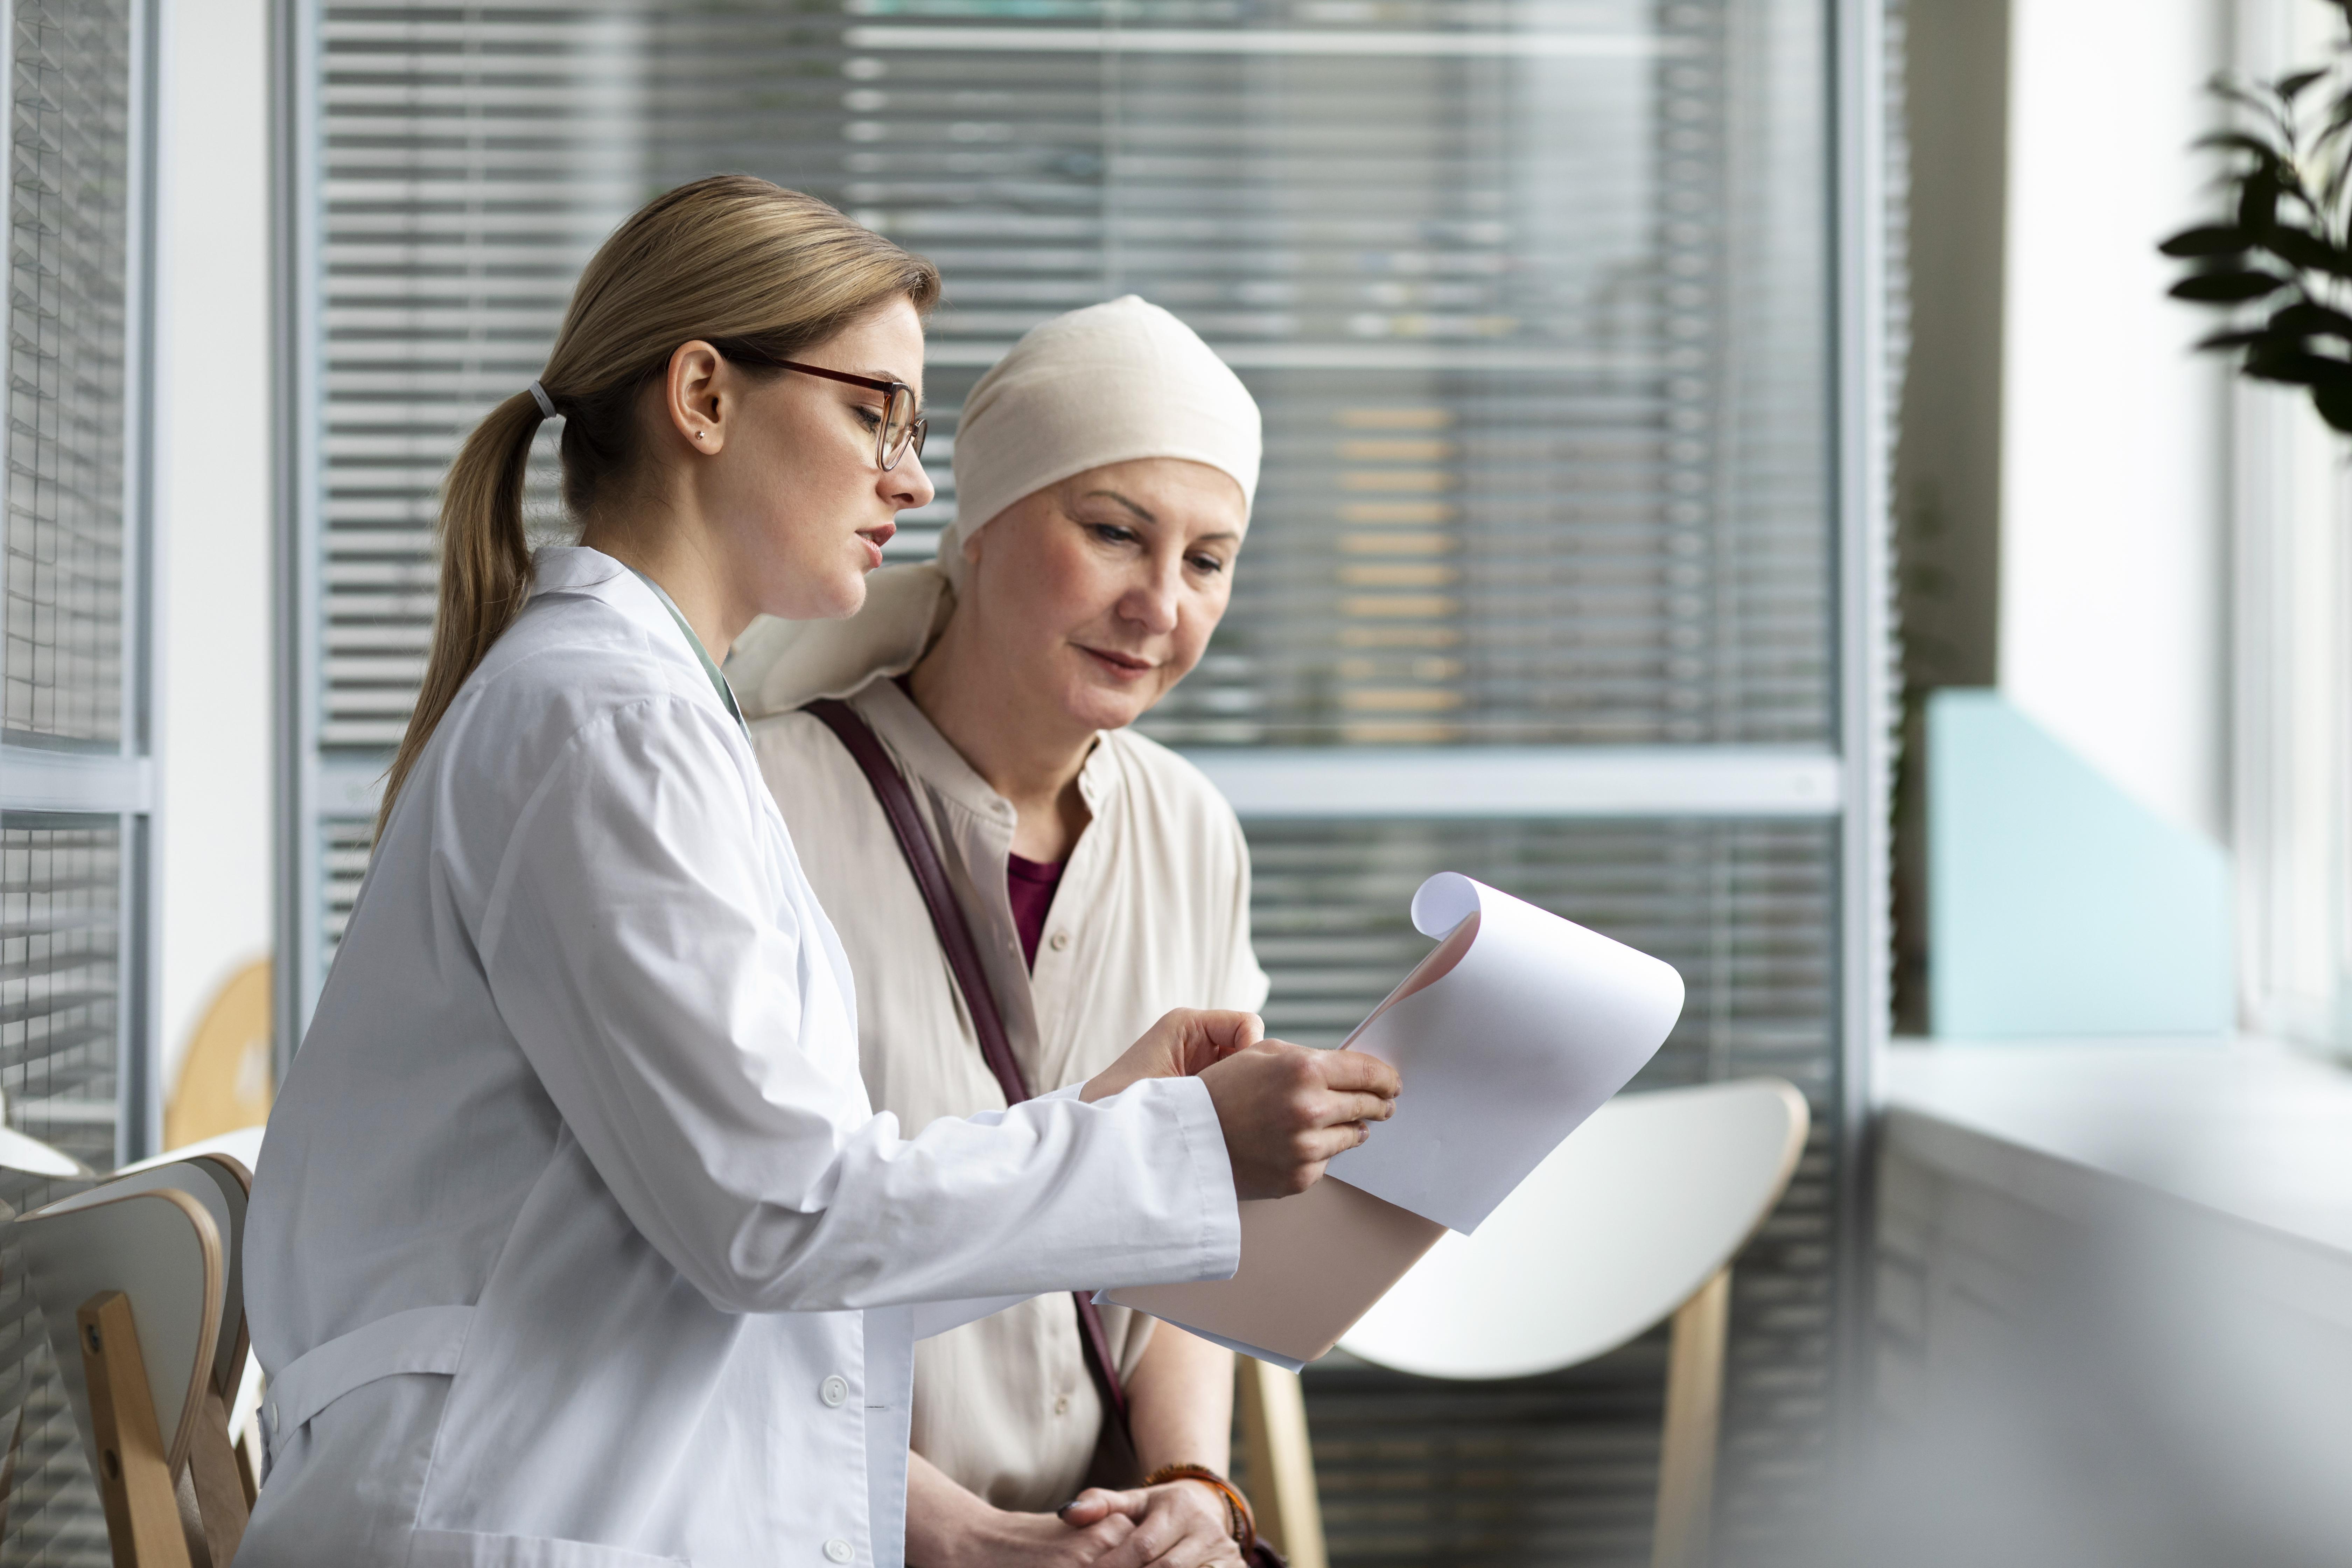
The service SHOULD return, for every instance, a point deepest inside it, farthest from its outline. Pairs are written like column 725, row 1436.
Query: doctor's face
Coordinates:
column 1097, row 595
column 803, row 508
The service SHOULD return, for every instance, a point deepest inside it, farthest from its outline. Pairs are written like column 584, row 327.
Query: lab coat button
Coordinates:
column 1061, row 940
column 832, row 1392
column 838, row 1550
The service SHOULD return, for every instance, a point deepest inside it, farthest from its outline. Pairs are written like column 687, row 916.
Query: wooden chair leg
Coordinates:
column 1281, row 1463
column 248, row 1468
column 219, row 1482
column 1694, row 1419
column 192, row 1522
column 142, row 1514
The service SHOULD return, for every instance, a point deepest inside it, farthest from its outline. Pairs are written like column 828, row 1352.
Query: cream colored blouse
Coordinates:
column 1152, row 913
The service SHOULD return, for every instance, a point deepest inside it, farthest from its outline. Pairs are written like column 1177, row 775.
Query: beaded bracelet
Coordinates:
column 1238, row 1517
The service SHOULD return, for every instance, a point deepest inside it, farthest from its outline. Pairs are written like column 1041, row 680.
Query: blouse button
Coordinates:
column 838, row 1550
column 1061, row 1405
column 1060, row 939
column 834, row 1391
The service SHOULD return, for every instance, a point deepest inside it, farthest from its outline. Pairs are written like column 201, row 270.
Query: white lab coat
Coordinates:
column 576, row 1243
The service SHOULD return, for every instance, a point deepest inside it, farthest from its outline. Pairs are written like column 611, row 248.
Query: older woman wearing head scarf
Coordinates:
column 1105, row 469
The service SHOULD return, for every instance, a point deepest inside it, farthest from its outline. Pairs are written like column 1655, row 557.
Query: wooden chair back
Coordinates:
column 137, row 1282
column 223, row 1183
column 1278, row 1463
column 224, row 1081
column 1632, row 1220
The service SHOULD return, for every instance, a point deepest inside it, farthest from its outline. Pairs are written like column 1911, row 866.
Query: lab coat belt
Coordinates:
column 422, row 1339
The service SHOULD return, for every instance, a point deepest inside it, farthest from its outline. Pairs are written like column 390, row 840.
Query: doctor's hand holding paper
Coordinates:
column 575, row 1241
column 1286, row 1110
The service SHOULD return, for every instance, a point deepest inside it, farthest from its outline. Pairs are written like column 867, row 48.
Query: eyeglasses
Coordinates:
column 900, row 431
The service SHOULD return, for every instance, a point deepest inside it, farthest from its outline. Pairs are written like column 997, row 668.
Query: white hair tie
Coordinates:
column 546, row 404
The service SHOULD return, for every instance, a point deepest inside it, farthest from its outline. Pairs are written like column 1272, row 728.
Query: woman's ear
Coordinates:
column 692, row 395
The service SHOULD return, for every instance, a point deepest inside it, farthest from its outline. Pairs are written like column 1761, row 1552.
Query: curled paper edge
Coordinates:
column 1443, row 902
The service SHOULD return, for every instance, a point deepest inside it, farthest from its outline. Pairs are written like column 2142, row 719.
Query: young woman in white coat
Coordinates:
column 574, row 1241
column 1105, row 469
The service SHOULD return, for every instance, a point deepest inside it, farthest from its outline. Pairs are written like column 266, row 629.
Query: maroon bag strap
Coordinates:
column 897, row 803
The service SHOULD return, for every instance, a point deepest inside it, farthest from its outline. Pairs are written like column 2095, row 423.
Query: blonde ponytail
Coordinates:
column 728, row 258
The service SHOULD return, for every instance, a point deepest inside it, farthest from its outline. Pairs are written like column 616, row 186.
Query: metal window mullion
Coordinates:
column 1372, row 782
column 138, row 1124
column 138, row 1077
column 8, row 302
column 140, row 634
column 294, row 126
column 1865, row 643
column 35, row 778
column 1563, row 782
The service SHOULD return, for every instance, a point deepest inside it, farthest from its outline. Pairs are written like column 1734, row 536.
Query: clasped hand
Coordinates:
column 1182, row 1524
column 1285, row 1110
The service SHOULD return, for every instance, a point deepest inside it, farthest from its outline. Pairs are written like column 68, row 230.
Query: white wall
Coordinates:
column 2112, row 578
column 213, row 504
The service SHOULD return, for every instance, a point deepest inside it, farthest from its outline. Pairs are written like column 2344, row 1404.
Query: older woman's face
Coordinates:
column 1099, row 592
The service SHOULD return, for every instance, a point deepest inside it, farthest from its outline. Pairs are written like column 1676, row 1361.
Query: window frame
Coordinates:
column 119, row 785
column 2290, row 676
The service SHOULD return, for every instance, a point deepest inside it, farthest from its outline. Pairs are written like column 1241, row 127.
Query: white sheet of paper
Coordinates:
column 1504, row 1051
column 1514, row 1029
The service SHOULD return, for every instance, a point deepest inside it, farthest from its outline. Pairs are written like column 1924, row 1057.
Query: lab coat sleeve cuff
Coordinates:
column 1202, row 1140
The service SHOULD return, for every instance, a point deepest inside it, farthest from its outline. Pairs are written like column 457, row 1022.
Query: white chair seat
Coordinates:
column 244, row 1145
column 1640, row 1207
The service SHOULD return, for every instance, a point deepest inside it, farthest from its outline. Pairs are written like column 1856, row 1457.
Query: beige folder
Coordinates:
column 1313, row 1264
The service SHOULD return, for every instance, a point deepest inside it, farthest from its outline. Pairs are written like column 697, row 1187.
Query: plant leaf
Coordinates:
column 2263, row 152
column 2290, row 87
column 2335, row 405
column 2227, row 288
column 2307, row 319
column 2258, row 198
column 2331, row 190
column 2297, row 368
column 2301, row 247
column 2214, row 239
column 2229, row 90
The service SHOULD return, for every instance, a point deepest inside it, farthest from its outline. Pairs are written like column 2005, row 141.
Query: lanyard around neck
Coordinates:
column 701, row 653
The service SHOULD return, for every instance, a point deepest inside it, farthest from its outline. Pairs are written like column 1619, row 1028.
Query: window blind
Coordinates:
column 73, row 1051
column 68, row 221
column 1534, row 298
column 1533, row 308
column 60, row 990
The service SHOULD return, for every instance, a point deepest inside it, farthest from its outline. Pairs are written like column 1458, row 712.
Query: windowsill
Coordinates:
column 2251, row 1131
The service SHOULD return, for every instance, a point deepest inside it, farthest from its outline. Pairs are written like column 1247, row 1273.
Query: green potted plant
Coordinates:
column 2281, row 262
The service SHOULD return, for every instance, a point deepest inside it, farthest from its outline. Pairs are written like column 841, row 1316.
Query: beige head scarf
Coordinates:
column 1111, row 383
